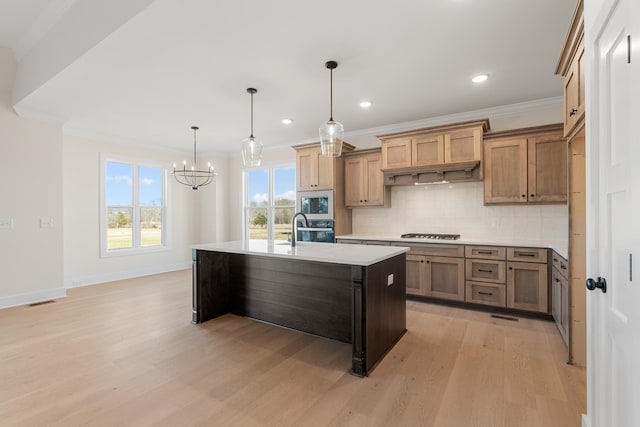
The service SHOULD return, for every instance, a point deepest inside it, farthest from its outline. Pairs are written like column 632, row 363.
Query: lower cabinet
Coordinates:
column 527, row 286
column 560, row 296
column 438, row 277
column 486, row 293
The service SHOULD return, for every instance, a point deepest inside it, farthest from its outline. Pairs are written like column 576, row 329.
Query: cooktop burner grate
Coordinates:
column 430, row 236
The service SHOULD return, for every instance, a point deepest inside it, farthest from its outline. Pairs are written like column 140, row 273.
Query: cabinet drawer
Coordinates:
column 561, row 264
column 350, row 241
column 527, row 254
column 445, row 250
column 485, row 252
column 377, row 242
column 485, row 270
column 486, row 293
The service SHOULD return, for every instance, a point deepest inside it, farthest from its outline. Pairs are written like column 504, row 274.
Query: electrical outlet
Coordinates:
column 6, row 223
column 390, row 280
column 46, row 222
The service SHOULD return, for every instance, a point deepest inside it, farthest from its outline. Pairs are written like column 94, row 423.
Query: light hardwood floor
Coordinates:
column 124, row 353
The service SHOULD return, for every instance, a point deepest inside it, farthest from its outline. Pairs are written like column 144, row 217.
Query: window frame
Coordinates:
column 135, row 218
column 271, row 194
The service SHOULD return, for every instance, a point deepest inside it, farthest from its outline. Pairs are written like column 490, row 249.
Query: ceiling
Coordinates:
column 170, row 64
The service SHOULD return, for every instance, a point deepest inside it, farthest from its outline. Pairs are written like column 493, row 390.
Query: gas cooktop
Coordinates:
column 430, row 236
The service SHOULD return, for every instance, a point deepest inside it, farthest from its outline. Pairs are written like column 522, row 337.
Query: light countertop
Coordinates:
column 560, row 246
column 363, row 255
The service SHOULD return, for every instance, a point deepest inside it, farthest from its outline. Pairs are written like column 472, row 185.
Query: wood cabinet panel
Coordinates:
column 528, row 254
column 486, row 293
column 485, row 252
column 505, row 171
column 416, row 276
column 306, row 169
column 364, row 180
column 396, row 153
column 547, row 169
column 560, row 303
column 325, row 172
column 527, row 286
column 485, row 270
column 444, row 250
column 574, row 85
column 445, row 277
column 463, row 146
column 427, row 150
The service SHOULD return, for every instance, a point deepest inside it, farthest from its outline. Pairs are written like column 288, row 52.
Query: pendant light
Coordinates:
column 193, row 177
column 251, row 146
column 331, row 132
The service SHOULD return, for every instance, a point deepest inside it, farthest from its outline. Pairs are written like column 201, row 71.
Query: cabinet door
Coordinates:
column 373, row 180
column 306, row 161
column 396, row 153
column 324, row 168
column 463, row 146
column 353, row 173
column 560, row 303
column 547, row 181
column 416, row 275
column 427, row 150
column 505, row 173
column 574, row 91
column 527, row 286
column 445, row 278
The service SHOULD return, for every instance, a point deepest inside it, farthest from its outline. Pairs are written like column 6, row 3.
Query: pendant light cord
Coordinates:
column 331, row 97
column 195, row 129
column 251, row 116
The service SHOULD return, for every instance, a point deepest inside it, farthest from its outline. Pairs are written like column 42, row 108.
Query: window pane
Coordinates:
column 258, row 223
column 258, row 186
column 284, row 183
column 151, row 226
column 150, row 186
column 282, row 223
column 119, row 184
column 119, row 230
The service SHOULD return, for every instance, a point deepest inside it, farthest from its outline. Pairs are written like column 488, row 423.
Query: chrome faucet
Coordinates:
column 293, row 227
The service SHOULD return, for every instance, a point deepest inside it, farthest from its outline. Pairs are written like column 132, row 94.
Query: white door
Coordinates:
column 613, row 364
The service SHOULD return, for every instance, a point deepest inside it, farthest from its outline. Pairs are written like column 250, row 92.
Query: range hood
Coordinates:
column 448, row 172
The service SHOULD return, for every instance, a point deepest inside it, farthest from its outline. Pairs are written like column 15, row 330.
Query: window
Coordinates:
column 133, row 207
column 270, row 202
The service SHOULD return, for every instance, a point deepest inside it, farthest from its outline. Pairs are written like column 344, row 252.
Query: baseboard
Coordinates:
column 110, row 277
column 586, row 421
column 32, row 297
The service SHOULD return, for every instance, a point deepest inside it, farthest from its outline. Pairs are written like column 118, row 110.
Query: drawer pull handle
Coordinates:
column 485, row 271
column 525, row 254
column 485, row 293
column 485, row 252
column 562, row 266
column 555, row 259
column 557, row 280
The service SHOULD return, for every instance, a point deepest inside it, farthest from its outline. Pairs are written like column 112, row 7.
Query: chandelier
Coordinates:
column 193, row 177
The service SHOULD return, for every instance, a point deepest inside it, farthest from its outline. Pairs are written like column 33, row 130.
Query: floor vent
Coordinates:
column 41, row 303
column 513, row 319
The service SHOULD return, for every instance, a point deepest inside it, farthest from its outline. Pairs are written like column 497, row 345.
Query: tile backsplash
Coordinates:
column 458, row 208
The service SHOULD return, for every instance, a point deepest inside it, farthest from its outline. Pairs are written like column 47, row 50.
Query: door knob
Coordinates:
column 601, row 283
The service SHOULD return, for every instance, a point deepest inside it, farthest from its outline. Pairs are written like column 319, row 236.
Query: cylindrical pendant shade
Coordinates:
column 331, row 134
column 251, row 152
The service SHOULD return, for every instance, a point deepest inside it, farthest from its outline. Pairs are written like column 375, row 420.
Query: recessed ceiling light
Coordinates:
column 287, row 121
column 365, row 104
column 480, row 78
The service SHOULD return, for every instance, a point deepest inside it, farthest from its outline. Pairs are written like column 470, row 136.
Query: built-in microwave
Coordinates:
column 316, row 204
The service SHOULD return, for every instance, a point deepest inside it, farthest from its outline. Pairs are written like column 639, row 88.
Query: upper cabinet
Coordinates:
column 571, row 67
column 363, row 179
column 433, row 146
column 315, row 171
column 434, row 154
column 526, row 166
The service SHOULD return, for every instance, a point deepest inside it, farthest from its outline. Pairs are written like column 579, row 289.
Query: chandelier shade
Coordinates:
column 251, row 146
column 331, row 132
column 193, row 177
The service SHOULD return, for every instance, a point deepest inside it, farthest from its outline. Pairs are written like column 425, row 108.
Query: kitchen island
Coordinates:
column 342, row 292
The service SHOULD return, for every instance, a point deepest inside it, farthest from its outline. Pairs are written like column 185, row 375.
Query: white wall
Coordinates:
column 81, row 178
column 31, row 176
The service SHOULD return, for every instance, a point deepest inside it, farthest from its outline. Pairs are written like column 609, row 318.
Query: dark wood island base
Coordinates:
column 361, row 305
